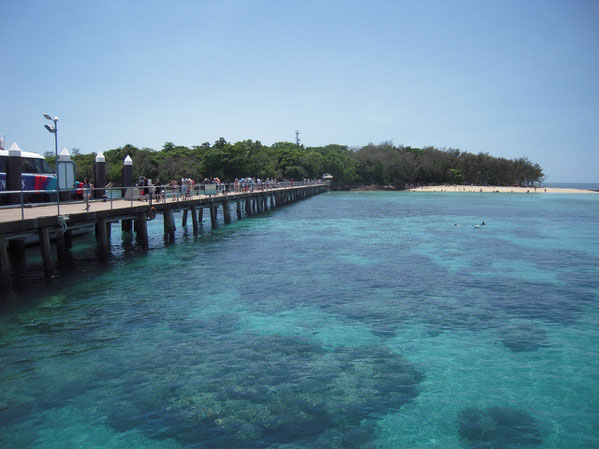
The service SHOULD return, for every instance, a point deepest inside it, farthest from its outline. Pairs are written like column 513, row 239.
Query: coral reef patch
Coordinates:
column 498, row 428
column 524, row 337
column 264, row 390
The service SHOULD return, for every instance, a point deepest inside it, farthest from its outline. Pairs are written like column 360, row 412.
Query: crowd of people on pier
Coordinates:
column 186, row 188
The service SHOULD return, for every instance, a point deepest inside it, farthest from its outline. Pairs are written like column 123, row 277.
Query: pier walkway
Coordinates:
column 21, row 225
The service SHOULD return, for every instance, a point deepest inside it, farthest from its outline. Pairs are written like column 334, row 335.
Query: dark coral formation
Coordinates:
column 261, row 391
column 524, row 337
column 498, row 428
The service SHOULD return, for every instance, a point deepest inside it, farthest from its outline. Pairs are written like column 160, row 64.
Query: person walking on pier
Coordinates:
column 158, row 190
column 86, row 193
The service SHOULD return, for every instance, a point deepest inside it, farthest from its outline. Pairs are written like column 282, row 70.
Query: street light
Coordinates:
column 54, row 130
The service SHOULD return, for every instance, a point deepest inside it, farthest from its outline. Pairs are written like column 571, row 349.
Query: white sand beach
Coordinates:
column 495, row 189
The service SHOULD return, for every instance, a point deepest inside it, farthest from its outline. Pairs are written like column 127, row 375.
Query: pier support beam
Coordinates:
column 226, row 212
column 126, row 225
column 184, row 218
column 248, row 207
column 258, row 205
column 46, row 251
column 214, row 215
column 103, row 239
column 61, row 247
column 68, row 239
column 16, row 250
column 194, row 220
column 238, row 209
column 169, row 224
column 141, row 223
column 4, row 265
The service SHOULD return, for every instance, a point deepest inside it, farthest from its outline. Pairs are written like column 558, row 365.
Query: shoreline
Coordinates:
column 496, row 189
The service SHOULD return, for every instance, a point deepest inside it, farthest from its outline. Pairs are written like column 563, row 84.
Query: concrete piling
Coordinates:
column 44, row 236
column 169, row 224
column 142, row 229
column 103, row 239
column 226, row 212
column 194, row 220
column 4, row 264
column 214, row 215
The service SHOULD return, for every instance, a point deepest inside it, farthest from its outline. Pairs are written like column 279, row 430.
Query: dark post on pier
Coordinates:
column 13, row 173
column 100, row 176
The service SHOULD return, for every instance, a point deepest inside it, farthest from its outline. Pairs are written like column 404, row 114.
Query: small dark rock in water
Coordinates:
column 498, row 428
column 383, row 330
column 524, row 337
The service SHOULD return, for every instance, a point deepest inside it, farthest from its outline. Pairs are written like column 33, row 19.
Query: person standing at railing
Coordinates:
column 183, row 184
column 87, row 191
column 157, row 190
column 140, row 188
column 174, row 189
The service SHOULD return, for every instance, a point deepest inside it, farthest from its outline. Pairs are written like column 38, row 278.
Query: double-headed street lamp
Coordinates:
column 54, row 130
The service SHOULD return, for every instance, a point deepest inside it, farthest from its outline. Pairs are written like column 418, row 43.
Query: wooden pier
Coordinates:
column 19, row 224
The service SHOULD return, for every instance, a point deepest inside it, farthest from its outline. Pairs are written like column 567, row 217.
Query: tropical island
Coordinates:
column 382, row 166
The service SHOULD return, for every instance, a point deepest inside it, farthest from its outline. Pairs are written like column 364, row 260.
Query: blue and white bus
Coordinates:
column 36, row 175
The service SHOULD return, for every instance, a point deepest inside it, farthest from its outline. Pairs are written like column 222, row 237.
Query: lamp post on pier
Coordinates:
column 54, row 130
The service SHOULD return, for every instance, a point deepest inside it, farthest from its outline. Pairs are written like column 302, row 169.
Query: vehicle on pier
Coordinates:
column 36, row 175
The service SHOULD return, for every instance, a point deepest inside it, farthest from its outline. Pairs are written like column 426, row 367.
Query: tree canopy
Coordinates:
column 383, row 164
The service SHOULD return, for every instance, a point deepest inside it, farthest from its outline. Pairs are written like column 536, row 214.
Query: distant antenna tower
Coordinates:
column 297, row 139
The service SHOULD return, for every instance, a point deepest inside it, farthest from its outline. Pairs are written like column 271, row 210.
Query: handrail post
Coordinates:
column 22, row 205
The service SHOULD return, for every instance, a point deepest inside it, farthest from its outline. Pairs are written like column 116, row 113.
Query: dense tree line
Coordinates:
column 383, row 164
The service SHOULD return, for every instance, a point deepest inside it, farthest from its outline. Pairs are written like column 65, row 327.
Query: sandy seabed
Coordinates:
column 494, row 189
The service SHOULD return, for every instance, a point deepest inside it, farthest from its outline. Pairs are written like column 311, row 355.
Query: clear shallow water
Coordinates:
column 573, row 185
column 349, row 320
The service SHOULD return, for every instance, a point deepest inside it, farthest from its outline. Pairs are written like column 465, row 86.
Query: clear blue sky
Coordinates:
column 512, row 78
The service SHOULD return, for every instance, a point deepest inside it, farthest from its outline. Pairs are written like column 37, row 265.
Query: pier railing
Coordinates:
column 149, row 193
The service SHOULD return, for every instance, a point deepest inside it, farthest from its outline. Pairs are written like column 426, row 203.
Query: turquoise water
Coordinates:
column 348, row 320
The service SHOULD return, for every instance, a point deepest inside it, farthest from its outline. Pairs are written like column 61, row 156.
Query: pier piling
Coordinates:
column 194, row 220
column 16, row 250
column 44, row 236
column 142, row 229
column 169, row 224
column 4, row 265
column 214, row 215
column 103, row 240
column 226, row 212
